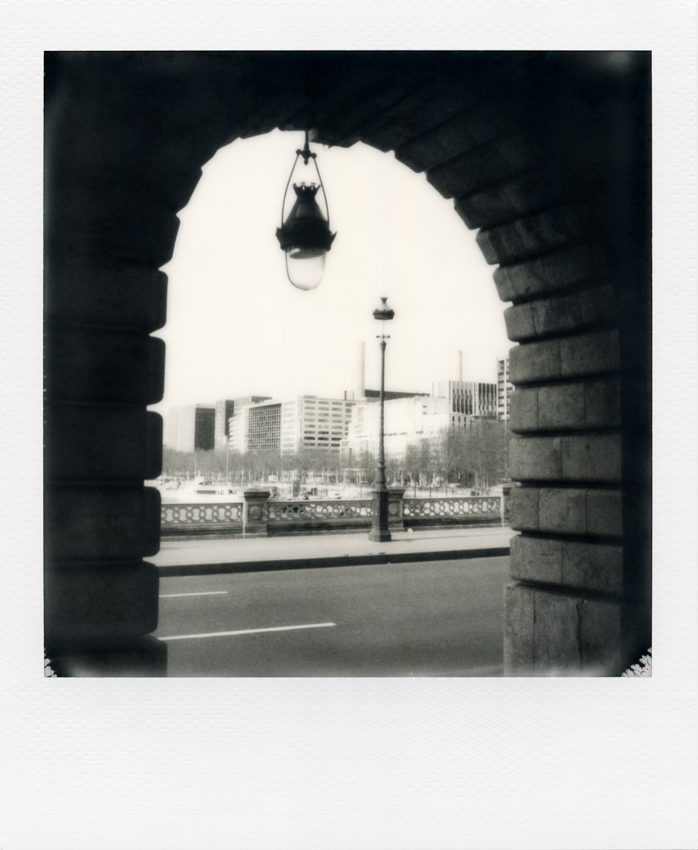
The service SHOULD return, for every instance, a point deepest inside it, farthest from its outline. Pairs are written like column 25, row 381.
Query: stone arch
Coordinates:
column 547, row 155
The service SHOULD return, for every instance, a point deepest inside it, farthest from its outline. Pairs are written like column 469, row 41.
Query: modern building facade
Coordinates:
column 504, row 390
column 407, row 421
column 390, row 395
column 410, row 418
column 190, row 427
column 291, row 425
column 225, row 408
column 468, row 398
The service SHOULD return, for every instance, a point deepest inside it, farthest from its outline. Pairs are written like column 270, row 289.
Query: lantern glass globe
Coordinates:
column 305, row 267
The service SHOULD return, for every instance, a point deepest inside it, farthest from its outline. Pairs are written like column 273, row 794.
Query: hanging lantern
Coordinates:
column 305, row 236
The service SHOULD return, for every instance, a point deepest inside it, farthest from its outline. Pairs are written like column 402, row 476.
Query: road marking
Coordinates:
column 202, row 593
column 250, row 631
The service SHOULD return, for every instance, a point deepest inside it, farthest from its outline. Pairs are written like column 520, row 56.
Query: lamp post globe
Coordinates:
column 380, row 531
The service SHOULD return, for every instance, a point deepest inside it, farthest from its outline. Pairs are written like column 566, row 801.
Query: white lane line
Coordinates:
column 202, row 593
column 250, row 631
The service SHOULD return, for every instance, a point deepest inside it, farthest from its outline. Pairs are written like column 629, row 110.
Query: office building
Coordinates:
column 190, row 427
column 504, row 390
column 468, row 398
column 225, row 408
column 407, row 421
column 290, row 425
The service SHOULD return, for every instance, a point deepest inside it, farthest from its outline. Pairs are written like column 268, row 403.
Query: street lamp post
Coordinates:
column 379, row 530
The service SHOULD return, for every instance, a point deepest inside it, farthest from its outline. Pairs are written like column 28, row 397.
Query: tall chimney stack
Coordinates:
column 460, row 365
column 362, row 370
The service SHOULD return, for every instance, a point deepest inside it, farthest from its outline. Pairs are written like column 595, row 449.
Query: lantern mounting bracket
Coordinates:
column 305, row 153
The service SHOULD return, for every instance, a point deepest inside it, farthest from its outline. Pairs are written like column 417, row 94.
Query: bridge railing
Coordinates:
column 259, row 516
column 451, row 510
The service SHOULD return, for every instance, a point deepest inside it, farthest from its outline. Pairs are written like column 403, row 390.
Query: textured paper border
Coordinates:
column 355, row 764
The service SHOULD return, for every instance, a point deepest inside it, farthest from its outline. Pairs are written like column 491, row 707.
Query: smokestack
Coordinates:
column 362, row 369
column 460, row 365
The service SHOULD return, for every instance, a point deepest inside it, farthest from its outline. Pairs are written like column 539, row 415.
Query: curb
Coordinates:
column 178, row 570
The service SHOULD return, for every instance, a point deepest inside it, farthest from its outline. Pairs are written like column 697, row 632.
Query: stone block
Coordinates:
column 596, row 457
column 153, row 450
column 552, row 273
column 96, row 523
column 561, row 407
column 104, row 366
column 102, row 443
column 144, row 157
column 255, row 514
column 550, row 633
column 506, row 289
column 520, row 196
column 519, row 322
column 519, row 646
column 89, row 292
column 416, row 114
column 556, row 634
column 536, row 559
column 598, row 306
column 604, row 509
column 552, row 316
column 523, row 507
column 455, row 136
column 523, row 415
column 110, row 220
column 601, row 637
column 541, row 233
column 93, row 602
column 545, row 231
column 396, row 520
column 535, row 458
column 562, row 511
column 485, row 165
column 521, row 280
column 602, row 403
column 589, row 354
column 346, row 126
column 592, row 566
column 534, row 361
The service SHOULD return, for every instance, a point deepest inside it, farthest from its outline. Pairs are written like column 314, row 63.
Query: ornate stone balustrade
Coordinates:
column 210, row 518
column 266, row 517
column 319, row 516
column 451, row 510
column 320, row 510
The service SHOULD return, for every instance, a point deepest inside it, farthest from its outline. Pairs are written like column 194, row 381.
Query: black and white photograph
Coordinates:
column 287, row 433
column 352, row 476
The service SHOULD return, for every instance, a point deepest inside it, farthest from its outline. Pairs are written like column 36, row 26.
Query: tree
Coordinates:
column 486, row 450
column 451, row 455
column 177, row 464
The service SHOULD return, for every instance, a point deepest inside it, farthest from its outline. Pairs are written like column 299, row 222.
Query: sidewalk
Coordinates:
column 208, row 557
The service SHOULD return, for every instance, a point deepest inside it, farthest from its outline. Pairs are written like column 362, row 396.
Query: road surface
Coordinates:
column 441, row 618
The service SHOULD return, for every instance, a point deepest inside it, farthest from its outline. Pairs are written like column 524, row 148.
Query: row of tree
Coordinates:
column 475, row 457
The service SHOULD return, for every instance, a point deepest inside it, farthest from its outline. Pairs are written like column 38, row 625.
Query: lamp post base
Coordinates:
column 380, row 532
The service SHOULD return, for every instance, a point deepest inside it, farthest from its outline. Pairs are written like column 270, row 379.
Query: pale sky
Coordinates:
column 236, row 326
